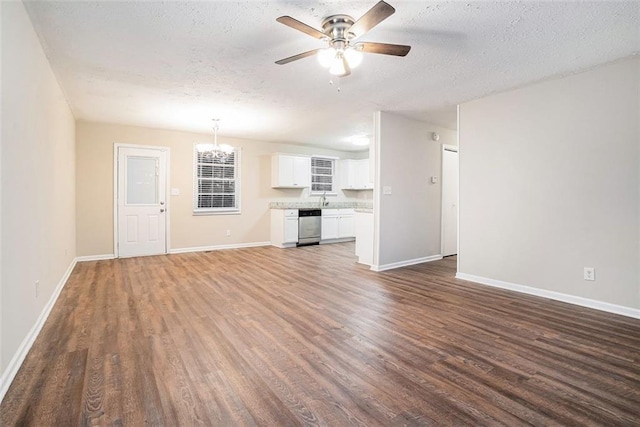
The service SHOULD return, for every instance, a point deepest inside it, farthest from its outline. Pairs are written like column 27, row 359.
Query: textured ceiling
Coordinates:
column 178, row 64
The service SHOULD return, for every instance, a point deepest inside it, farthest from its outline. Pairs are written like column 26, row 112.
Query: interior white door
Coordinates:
column 449, row 202
column 142, row 176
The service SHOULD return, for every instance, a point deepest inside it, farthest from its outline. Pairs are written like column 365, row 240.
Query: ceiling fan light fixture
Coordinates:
column 353, row 56
column 342, row 33
column 337, row 65
column 326, row 56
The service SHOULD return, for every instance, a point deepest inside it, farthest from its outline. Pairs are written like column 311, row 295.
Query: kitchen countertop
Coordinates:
column 315, row 205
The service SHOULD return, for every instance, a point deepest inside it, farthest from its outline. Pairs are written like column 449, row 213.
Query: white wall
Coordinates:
column 550, row 183
column 37, row 186
column 407, row 222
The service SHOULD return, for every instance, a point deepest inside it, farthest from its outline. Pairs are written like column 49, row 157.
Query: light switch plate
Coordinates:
column 175, row 191
column 386, row 190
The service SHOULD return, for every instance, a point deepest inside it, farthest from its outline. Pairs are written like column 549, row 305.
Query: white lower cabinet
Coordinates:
column 291, row 230
column 284, row 227
column 329, row 224
column 346, row 223
column 338, row 224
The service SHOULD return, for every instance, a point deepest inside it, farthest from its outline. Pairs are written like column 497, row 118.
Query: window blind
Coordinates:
column 322, row 174
column 216, row 183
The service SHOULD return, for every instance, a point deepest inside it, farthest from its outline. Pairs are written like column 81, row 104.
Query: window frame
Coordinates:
column 237, row 152
column 334, row 170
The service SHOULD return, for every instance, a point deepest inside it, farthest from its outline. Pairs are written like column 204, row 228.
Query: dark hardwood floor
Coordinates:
column 265, row 336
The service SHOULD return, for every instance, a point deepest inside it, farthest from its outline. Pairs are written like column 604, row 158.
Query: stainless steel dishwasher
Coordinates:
column 309, row 226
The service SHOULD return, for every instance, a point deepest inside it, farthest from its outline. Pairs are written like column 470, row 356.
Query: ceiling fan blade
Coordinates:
column 300, row 26
column 385, row 48
column 296, row 57
column 373, row 17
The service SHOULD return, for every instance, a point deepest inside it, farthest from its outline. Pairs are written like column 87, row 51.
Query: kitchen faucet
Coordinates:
column 323, row 199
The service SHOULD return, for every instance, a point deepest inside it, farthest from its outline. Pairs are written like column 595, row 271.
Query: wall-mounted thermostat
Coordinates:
column 434, row 179
column 435, row 136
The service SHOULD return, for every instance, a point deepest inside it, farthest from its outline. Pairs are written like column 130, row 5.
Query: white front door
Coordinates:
column 141, row 194
column 449, row 201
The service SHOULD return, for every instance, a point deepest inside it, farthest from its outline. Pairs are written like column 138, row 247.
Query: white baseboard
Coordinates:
column 95, row 257
column 218, row 247
column 340, row 240
column 283, row 245
column 16, row 361
column 405, row 263
column 571, row 299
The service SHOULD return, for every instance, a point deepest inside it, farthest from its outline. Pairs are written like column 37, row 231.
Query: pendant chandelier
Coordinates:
column 215, row 151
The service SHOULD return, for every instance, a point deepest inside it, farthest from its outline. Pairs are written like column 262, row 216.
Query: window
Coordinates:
column 322, row 173
column 216, row 183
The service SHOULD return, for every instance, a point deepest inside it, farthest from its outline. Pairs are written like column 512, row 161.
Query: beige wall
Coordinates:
column 95, row 144
column 38, row 182
column 407, row 221
column 550, row 184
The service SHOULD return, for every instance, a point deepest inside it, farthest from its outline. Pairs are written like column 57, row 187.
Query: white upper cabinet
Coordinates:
column 290, row 171
column 355, row 174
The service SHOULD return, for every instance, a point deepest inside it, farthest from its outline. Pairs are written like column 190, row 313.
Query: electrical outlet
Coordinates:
column 589, row 273
column 37, row 288
column 228, row 233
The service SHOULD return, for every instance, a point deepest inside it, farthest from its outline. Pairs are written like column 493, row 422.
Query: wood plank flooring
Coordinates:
column 272, row 337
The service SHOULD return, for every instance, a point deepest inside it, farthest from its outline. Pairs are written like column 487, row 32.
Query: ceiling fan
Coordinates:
column 340, row 33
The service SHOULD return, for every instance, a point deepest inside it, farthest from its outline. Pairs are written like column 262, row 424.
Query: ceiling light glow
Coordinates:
column 333, row 59
column 326, row 56
column 337, row 66
column 354, row 57
column 360, row 140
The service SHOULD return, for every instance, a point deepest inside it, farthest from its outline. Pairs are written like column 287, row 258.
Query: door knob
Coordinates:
column 161, row 210
column 162, row 203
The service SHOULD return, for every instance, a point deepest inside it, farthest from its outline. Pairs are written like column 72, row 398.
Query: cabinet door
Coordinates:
column 329, row 228
column 362, row 174
column 301, row 171
column 358, row 174
column 285, row 171
column 290, row 230
column 346, row 174
column 346, row 226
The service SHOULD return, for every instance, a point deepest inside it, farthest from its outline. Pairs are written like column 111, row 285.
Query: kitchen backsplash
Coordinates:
column 368, row 204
